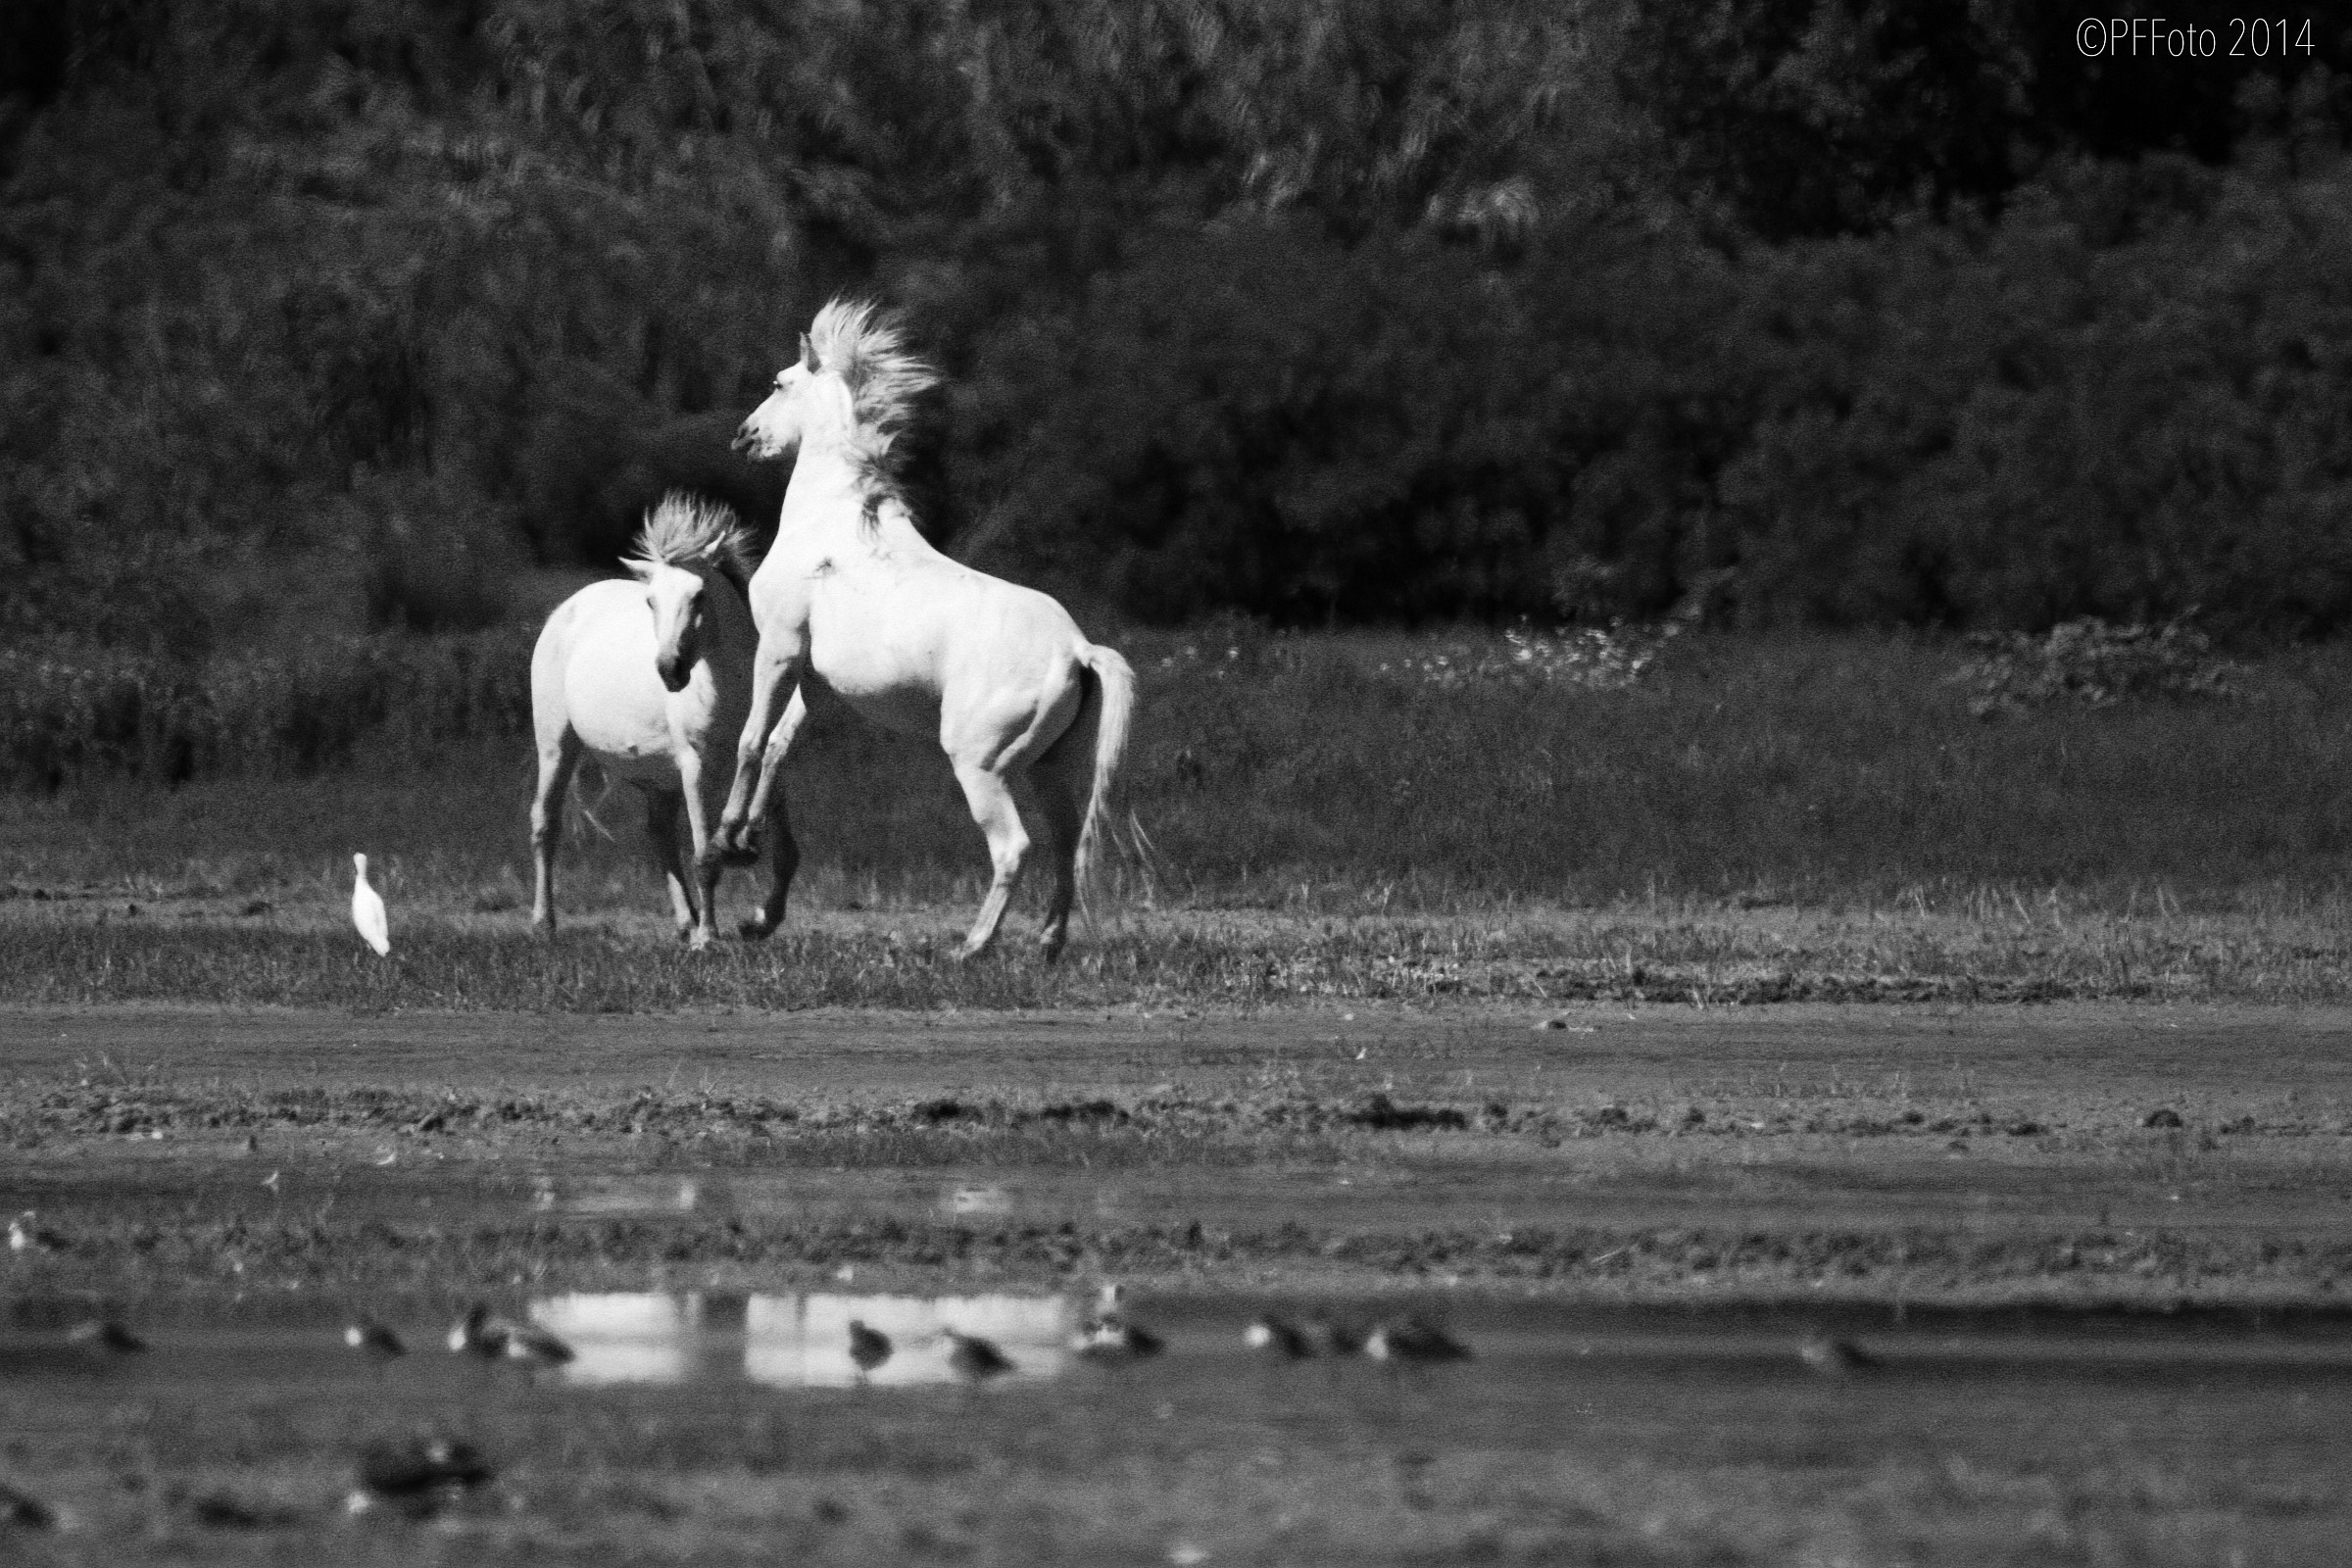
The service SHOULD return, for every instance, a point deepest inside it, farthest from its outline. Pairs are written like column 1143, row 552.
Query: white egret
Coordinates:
column 368, row 909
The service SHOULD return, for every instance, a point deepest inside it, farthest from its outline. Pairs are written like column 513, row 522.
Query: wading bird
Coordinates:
column 1116, row 1340
column 1108, row 1335
column 1836, row 1358
column 1410, row 1342
column 855, row 606
column 105, row 1337
column 493, row 1338
column 24, row 1511
column 652, row 679
column 26, row 1234
column 1277, row 1337
column 868, row 1348
column 373, row 1340
column 1331, row 1337
column 974, row 1358
column 368, row 909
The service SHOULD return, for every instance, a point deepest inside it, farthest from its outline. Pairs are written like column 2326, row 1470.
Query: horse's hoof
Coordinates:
column 754, row 930
column 698, row 940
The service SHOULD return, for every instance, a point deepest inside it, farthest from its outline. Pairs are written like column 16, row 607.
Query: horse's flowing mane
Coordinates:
column 686, row 528
column 859, row 343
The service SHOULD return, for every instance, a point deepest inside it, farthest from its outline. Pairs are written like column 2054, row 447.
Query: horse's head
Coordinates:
column 777, row 424
column 679, row 600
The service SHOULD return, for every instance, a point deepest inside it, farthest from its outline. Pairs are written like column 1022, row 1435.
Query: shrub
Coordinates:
column 2097, row 664
column 1258, row 418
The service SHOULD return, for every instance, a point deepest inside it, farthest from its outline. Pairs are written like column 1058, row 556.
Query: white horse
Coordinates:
column 854, row 605
column 650, row 678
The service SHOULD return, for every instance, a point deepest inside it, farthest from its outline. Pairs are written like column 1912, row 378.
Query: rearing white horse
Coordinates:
column 650, row 678
column 852, row 604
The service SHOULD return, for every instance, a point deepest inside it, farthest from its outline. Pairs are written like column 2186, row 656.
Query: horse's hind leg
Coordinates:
column 785, row 859
column 1057, row 802
column 993, row 807
column 558, row 757
column 661, row 824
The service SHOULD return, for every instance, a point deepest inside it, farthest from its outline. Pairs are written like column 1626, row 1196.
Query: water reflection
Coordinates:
column 797, row 1341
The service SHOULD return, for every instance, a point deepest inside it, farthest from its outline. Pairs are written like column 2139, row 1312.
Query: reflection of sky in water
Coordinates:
column 792, row 1340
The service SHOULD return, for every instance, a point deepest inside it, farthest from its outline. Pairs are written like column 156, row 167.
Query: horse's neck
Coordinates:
column 830, row 509
column 825, row 497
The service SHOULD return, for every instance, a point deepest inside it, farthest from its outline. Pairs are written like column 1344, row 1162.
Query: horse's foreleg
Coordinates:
column 709, row 863
column 661, row 825
column 558, row 757
column 768, row 798
column 767, row 806
column 775, row 681
column 993, row 807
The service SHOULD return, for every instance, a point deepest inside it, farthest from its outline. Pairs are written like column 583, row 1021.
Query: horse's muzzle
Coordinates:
column 675, row 672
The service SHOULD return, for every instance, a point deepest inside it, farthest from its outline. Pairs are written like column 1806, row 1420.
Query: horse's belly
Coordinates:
column 622, row 715
column 634, row 754
column 909, row 709
column 884, row 680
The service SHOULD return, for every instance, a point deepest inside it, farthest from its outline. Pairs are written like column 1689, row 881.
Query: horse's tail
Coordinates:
column 1114, row 682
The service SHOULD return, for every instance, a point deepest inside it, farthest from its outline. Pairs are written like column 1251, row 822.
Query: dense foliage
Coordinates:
column 337, row 318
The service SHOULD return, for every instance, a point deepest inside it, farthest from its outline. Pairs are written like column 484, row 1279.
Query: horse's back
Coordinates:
column 900, row 643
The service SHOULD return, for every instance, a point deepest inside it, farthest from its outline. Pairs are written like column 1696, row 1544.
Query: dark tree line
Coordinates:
column 1830, row 312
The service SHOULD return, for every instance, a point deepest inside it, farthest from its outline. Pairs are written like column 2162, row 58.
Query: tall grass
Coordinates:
column 71, row 714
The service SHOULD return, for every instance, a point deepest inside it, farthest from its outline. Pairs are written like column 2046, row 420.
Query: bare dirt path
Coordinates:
column 2225, row 1053
column 2078, row 1151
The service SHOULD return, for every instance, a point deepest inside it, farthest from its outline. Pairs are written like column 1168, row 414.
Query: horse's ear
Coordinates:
column 642, row 570
column 807, row 355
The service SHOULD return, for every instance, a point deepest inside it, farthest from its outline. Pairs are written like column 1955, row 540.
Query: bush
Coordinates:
column 1258, row 418
column 438, row 559
column 2120, row 400
column 2093, row 662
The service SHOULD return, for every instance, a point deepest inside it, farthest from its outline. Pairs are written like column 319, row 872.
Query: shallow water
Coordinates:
column 795, row 1340
column 801, row 1341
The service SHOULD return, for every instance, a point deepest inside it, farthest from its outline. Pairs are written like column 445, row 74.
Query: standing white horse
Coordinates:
column 852, row 604
column 652, row 678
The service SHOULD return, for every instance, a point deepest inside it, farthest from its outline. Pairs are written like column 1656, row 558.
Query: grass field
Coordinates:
column 1352, row 815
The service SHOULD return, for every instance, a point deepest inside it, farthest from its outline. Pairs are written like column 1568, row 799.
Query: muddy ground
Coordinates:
column 2059, row 1171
